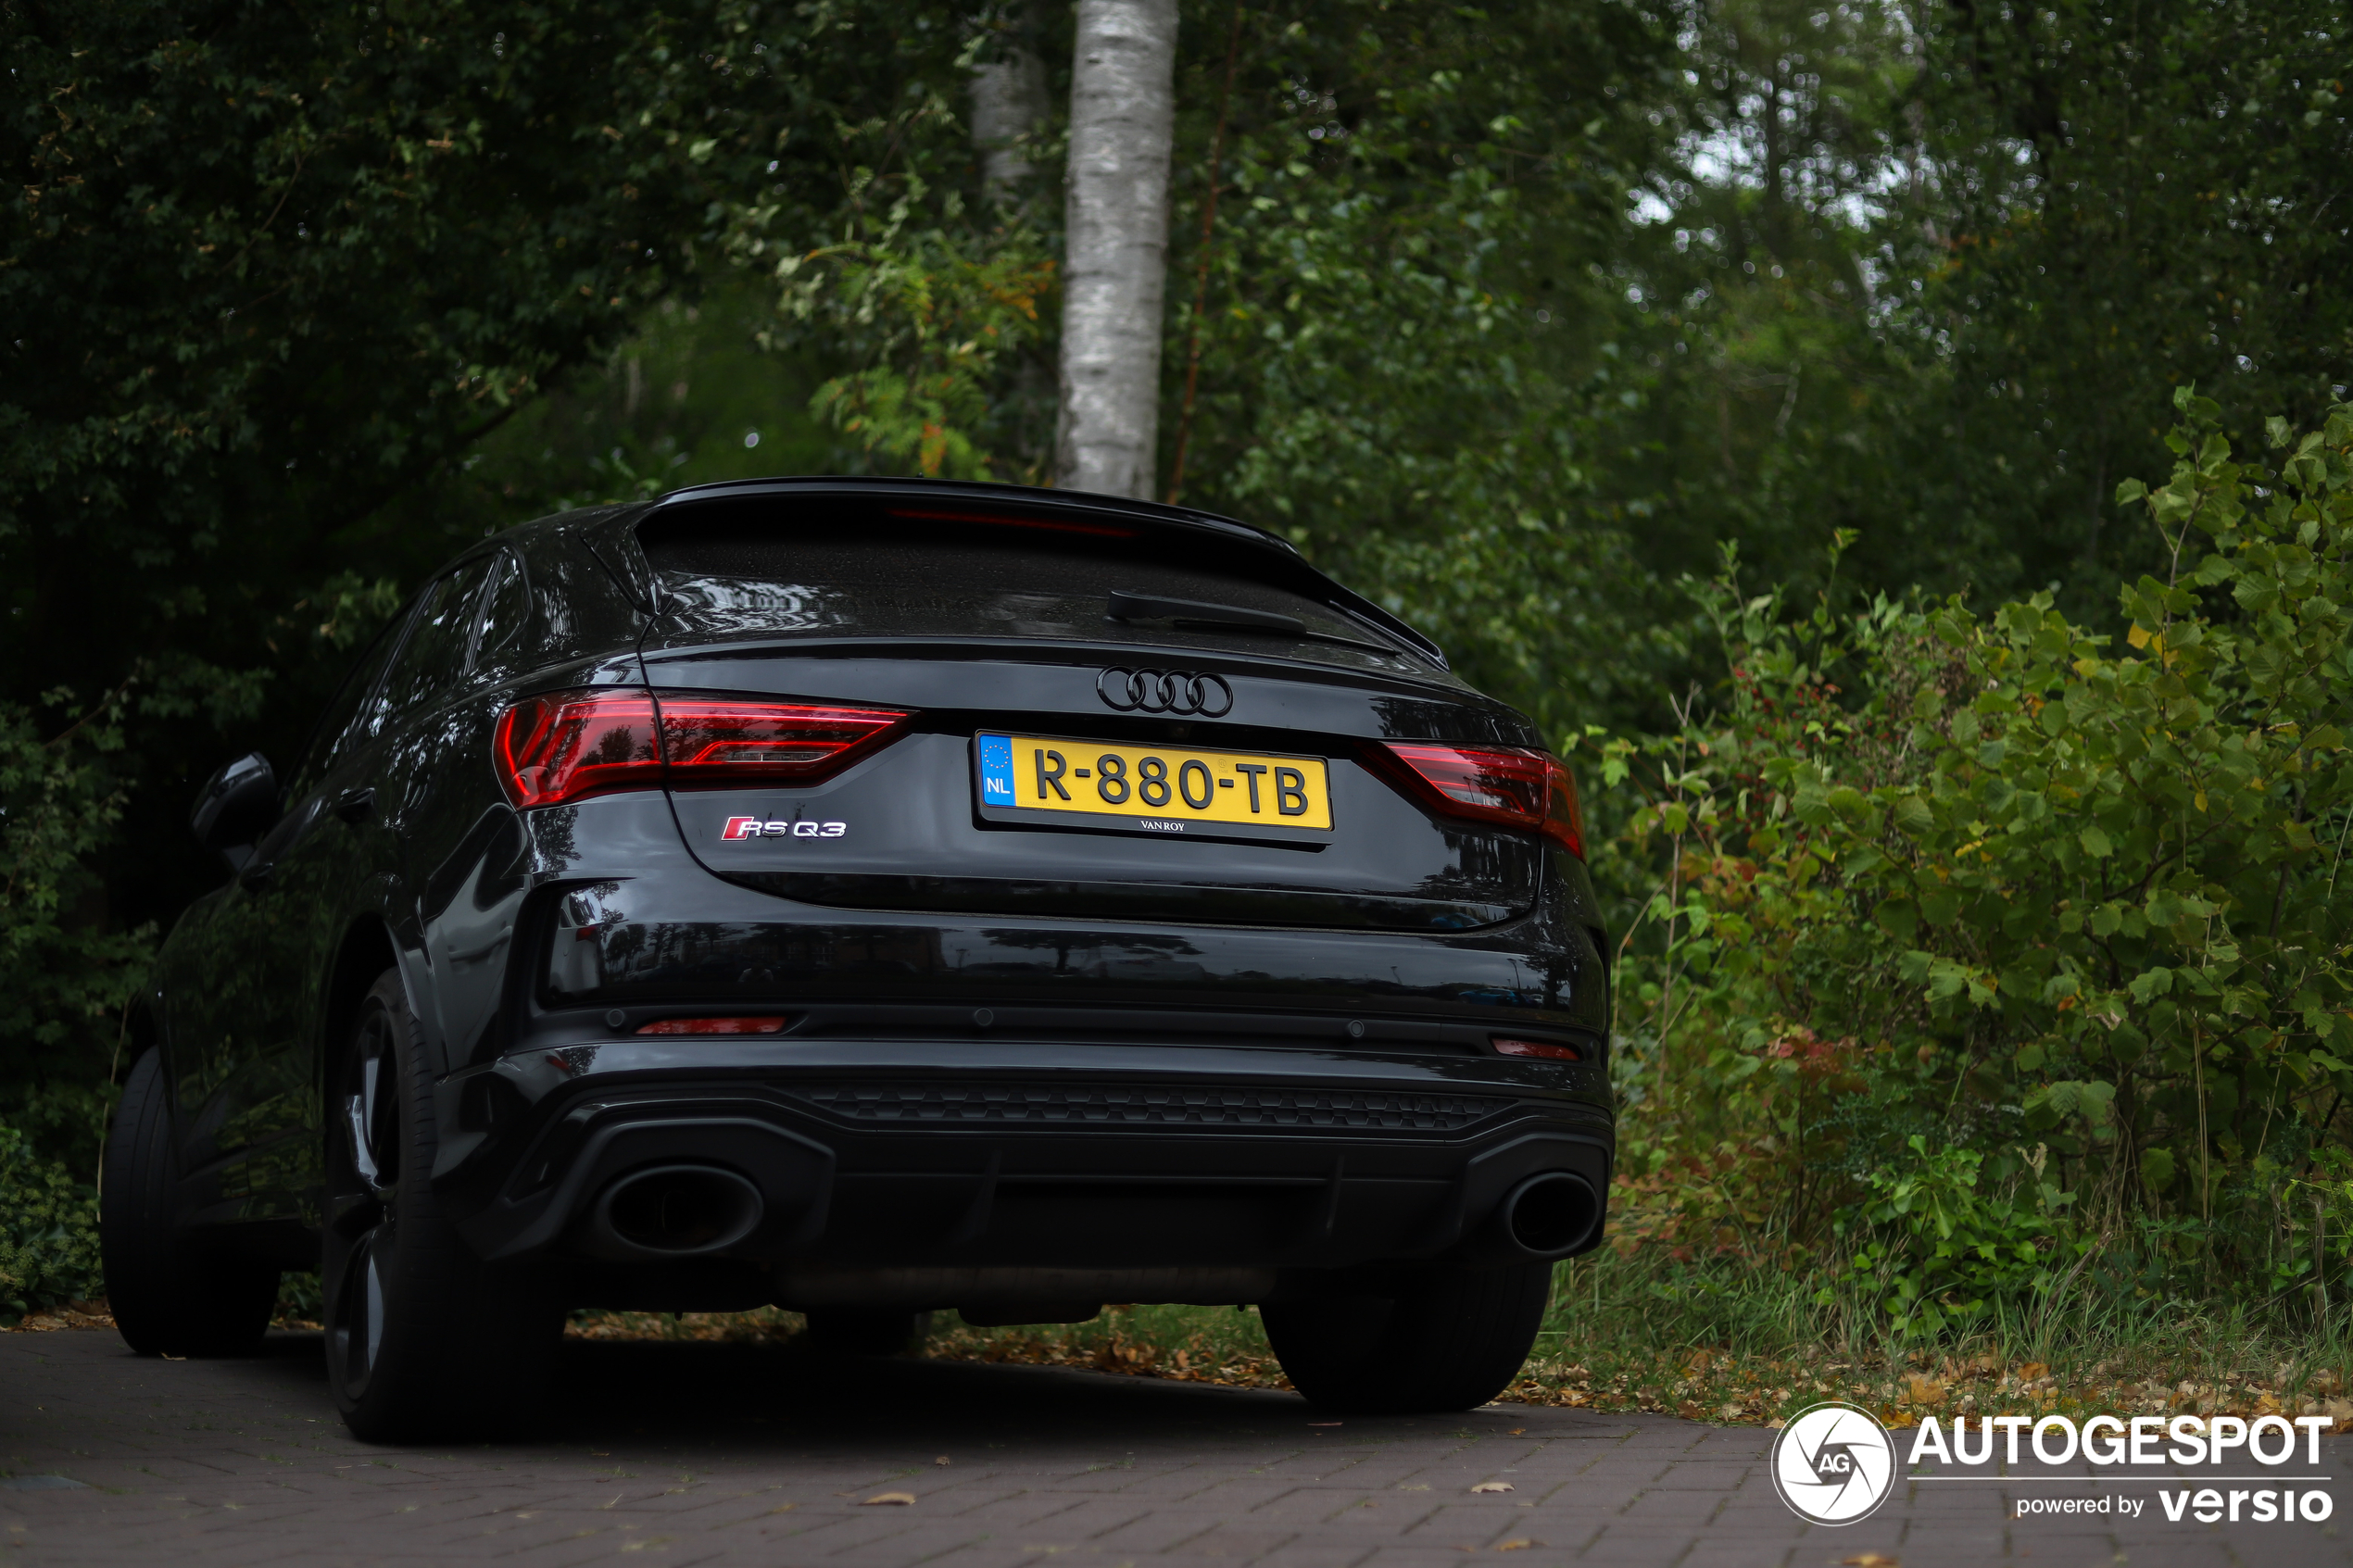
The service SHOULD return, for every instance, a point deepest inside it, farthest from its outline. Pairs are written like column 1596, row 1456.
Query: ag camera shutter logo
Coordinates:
column 1834, row 1463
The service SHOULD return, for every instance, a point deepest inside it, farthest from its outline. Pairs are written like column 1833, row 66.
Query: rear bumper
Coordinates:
column 874, row 1155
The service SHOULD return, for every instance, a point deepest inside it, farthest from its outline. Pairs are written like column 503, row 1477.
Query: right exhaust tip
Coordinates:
column 1550, row 1214
column 674, row 1212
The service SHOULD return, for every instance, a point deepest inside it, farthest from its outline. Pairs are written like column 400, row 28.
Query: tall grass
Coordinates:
column 1734, row 1337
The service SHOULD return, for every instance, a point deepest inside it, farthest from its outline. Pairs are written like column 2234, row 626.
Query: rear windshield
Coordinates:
column 858, row 571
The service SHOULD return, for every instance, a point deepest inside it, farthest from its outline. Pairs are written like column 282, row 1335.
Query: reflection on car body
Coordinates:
column 659, row 919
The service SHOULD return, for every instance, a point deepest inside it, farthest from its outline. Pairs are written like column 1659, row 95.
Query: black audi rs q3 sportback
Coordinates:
column 873, row 897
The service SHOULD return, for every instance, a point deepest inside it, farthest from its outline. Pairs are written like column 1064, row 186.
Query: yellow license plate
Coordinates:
column 1153, row 788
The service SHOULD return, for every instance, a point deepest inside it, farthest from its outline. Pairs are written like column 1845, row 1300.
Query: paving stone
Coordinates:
column 687, row 1455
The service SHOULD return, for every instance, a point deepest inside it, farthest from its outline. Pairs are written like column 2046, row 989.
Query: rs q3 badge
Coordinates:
column 753, row 827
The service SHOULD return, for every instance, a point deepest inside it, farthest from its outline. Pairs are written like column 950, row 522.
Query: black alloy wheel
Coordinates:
column 423, row 1340
column 1447, row 1339
column 172, row 1294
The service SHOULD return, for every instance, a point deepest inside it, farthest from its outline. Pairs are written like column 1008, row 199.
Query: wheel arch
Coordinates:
column 366, row 951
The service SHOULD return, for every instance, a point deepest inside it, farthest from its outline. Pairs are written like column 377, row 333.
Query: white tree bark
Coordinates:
column 1009, row 103
column 1123, row 112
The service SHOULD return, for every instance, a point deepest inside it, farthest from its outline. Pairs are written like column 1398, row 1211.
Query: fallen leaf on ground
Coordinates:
column 902, row 1499
column 1520, row 1545
column 1870, row 1559
column 1519, row 1431
column 2031, row 1371
column 1924, row 1391
column 1492, row 1487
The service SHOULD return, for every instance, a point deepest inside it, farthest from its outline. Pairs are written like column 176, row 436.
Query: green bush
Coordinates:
column 48, row 1231
column 1995, row 883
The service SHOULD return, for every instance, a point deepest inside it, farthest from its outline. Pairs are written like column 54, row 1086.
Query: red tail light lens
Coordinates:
column 567, row 744
column 1510, row 786
column 720, row 742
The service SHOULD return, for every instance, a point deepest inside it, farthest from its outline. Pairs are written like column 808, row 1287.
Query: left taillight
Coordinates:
column 567, row 744
column 1510, row 786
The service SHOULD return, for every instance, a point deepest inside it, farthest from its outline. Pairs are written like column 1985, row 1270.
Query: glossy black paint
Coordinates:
column 1005, row 1043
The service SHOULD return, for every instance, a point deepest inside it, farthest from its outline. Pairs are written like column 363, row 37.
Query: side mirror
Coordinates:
column 238, row 804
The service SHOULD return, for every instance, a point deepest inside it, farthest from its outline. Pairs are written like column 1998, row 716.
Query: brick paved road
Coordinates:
column 689, row 1453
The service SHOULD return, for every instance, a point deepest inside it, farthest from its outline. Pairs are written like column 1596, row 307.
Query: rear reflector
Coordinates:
column 567, row 744
column 1510, row 786
column 771, row 1026
column 1544, row 1049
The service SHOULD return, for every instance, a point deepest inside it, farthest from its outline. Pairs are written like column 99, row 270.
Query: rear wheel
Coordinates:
column 171, row 1293
column 867, row 1331
column 424, row 1340
column 1447, row 1340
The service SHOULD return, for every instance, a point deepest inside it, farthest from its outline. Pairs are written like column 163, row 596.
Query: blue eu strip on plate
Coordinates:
column 996, row 769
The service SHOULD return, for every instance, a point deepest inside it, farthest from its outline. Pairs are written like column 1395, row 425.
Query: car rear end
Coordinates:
column 1013, row 902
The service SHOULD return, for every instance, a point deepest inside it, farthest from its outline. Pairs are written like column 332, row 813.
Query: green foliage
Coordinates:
column 929, row 387
column 48, row 1231
column 930, row 292
column 2074, row 903
column 1930, row 1250
column 275, row 272
column 1407, row 358
column 278, row 277
column 67, row 974
column 2133, row 199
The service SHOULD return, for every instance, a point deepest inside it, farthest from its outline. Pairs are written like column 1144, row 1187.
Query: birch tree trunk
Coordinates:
column 1123, row 112
column 1009, row 104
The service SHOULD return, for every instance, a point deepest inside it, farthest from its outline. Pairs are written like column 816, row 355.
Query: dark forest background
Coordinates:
column 1525, row 318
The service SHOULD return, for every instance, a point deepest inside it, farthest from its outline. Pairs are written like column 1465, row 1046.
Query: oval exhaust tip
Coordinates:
column 1551, row 1214
column 676, row 1211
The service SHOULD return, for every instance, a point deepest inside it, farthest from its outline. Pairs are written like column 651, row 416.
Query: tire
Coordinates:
column 1448, row 1340
column 424, row 1340
column 171, row 1293
column 867, row 1331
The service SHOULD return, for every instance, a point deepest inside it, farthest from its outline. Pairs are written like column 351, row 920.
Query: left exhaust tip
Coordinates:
column 674, row 1211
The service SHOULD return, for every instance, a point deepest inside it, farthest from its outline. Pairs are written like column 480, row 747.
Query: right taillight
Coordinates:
column 1510, row 786
column 568, row 745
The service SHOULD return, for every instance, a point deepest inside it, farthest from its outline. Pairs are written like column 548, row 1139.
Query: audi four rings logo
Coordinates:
column 1165, row 691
